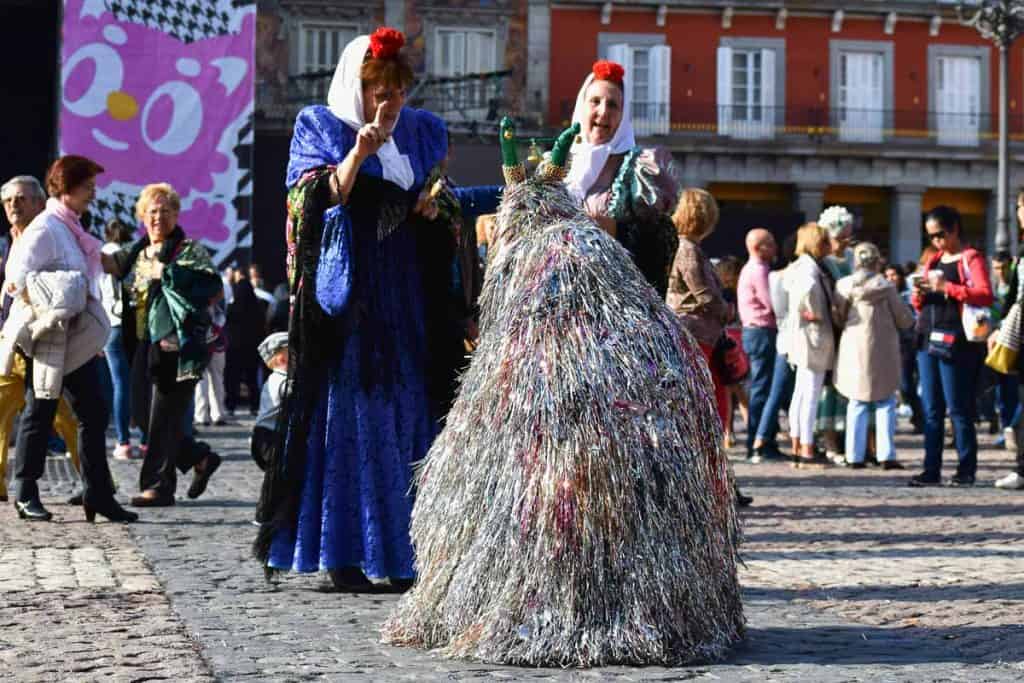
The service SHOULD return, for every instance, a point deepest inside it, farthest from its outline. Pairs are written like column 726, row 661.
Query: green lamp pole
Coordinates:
column 1002, row 22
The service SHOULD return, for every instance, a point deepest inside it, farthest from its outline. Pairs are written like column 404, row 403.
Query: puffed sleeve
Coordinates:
column 658, row 181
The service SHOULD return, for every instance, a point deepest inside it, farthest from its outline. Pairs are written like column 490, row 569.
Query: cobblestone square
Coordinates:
column 850, row 576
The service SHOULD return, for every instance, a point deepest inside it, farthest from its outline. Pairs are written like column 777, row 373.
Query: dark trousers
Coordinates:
column 84, row 392
column 759, row 343
column 240, row 367
column 908, row 386
column 950, row 385
column 779, row 398
column 1007, row 398
column 169, row 447
column 265, row 442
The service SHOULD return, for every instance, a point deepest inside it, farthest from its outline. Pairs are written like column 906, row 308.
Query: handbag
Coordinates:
column 977, row 320
column 730, row 360
column 334, row 272
column 1004, row 353
column 940, row 342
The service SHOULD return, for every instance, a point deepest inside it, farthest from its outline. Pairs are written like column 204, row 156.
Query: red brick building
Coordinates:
column 783, row 107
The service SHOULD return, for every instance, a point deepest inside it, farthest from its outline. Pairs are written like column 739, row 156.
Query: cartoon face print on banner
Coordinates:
column 151, row 108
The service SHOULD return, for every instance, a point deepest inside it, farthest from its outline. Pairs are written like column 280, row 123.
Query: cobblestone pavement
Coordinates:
column 850, row 576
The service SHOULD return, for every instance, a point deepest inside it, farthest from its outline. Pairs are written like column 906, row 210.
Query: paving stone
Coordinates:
column 849, row 576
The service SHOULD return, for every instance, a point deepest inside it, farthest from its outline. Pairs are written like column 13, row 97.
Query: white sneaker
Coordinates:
column 1012, row 481
column 1010, row 439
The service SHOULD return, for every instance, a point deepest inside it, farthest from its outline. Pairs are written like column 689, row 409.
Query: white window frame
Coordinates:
column 773, row 87
column 862, row 126
column 469, row 98
column 306, row 27
column 959, row 130
column 318, row 90
column 650, row 117
column 438, row 30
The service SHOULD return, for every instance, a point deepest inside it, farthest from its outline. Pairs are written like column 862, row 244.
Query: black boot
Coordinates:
column 32, row 510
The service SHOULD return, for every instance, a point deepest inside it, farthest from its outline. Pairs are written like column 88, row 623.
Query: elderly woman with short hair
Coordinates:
column 173, row 282
column 868, row 365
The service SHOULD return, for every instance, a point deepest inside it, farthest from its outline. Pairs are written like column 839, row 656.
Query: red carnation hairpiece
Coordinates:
column 606, row 70
column 385, row 42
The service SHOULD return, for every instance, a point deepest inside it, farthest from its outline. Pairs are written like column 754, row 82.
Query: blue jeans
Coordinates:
column 949, row 385
column 120, row 377
column 1007, row 398
column 858, row 415
column 759, row 343
column 778, row 398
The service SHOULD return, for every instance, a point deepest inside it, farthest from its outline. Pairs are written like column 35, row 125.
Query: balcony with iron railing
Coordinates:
column 820, row 125
column 472, row 103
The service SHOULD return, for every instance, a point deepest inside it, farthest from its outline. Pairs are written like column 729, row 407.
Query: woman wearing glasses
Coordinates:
column 947, row 360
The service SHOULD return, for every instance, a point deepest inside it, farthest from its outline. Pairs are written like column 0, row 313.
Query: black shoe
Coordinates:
column 33, row 511
column 858, row 465
column 75, row 500
column 206, row 423
column 111, row 510
column 3, row 498
column 201, row 479
column 350, row 580
column 921, row 480
column 892, row 465
column 743, row 501
column 401, row 585
column 961, row 480
column 152, row 501
column 220, row 423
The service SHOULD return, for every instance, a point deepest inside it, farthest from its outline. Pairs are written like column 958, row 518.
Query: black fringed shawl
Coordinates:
column 309, row 346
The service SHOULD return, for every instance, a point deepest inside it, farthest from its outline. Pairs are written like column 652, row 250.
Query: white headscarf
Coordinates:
column 345, row 100
column 588, row 160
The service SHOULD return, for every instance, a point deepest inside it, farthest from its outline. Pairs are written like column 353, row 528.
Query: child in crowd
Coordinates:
column 274, row 352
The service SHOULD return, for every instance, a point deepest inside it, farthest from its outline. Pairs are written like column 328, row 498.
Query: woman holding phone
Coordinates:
column 947, row 360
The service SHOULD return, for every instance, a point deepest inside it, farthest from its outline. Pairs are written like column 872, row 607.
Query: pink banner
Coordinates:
column 163, row 92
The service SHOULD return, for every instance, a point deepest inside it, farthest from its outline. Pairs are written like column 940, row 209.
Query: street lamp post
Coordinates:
column 1002, row 22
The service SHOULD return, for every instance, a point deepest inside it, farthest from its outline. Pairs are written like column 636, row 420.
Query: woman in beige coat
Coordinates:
column 872, row 313
column 808, row 328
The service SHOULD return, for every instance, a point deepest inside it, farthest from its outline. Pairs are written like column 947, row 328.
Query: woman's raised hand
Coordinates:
column 372, row 135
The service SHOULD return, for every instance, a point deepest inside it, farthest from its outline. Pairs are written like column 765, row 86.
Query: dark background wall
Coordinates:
column 29, row 49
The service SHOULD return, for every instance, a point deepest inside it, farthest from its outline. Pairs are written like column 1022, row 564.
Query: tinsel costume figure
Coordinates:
column 365, row 278
column 577, row 509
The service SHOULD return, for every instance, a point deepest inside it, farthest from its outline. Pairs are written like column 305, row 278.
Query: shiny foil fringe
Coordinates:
column 577, row 510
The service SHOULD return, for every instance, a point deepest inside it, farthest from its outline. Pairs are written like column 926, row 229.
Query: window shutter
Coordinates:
column 660, row 87
column 768, row 113
column 623, row 54
column 724, row 99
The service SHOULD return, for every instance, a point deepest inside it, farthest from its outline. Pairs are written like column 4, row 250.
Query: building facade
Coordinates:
column 470, row 59
column 782, row 108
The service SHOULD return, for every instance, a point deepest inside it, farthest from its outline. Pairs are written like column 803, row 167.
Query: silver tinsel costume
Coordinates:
column 577, row 509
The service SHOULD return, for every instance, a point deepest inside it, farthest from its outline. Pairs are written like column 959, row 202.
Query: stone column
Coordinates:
column 905, row 234
column 809, row 198
column 991, row 216
column 538, row 64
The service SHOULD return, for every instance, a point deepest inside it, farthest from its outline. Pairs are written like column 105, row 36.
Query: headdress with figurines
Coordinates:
column 836, row 220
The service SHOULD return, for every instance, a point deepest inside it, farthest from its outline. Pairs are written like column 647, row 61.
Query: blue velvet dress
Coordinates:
column 372, row 419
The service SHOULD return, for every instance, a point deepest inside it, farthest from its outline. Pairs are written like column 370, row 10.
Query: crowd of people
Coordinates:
column 135, row 329
column 843, row 342
column 352, row 368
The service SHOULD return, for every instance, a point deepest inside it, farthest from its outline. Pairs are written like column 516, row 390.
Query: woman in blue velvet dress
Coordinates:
column 363, row 236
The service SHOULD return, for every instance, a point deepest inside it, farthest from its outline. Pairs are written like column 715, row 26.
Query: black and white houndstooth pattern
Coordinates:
column 186, row 20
